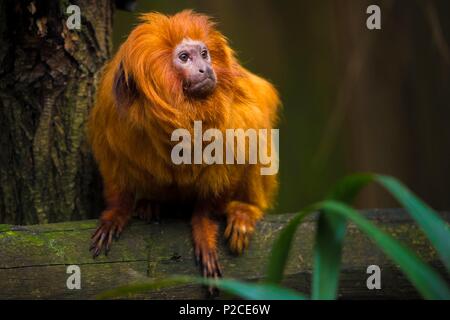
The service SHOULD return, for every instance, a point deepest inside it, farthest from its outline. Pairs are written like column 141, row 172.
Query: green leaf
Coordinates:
column 330, row 232
column 425, row 279
column 282, row 246
column 327, row 256
column 435, row 228
column 140, row 287
column 330, row 237
column 349, row 187
column 257, row 291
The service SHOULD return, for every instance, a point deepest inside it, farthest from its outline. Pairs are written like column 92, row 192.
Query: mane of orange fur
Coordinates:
column 132, row 146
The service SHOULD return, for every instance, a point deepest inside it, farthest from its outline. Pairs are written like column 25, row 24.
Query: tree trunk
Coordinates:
column 48, row 77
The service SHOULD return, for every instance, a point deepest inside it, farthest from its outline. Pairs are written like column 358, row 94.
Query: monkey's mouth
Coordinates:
column 200, row 89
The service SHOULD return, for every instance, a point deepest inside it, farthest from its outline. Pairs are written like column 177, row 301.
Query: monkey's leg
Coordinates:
column 113, row 220
column 241, row 220
column 148, row 210
column 204, row 234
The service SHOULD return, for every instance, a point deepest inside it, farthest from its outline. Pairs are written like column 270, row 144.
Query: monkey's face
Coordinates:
column 192, row 60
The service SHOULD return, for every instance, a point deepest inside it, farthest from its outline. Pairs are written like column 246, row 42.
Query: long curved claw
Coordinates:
column 209, row 266
column 102, row 238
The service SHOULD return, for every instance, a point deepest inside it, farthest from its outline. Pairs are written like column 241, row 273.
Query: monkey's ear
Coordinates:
column 124, row 88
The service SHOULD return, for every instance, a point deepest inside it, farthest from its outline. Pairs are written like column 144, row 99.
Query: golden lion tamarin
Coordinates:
column 170, row 72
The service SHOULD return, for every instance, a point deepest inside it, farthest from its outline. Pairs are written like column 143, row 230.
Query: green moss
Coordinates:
column 32, row 240
column 4, row 227
column 56, row 249
column 8, row 234
column 22, row 238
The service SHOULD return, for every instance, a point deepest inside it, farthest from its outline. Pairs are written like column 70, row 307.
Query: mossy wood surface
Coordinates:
column 34, row 259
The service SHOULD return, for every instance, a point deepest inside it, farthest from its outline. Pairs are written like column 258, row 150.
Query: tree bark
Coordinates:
column 48, row 77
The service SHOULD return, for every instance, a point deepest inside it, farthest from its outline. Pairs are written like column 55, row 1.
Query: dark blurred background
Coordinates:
column 353, row 99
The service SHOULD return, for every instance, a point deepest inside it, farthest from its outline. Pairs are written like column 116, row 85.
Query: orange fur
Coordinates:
column 130, row 137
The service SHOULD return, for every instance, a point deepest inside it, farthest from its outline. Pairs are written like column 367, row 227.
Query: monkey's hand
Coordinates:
column 209, row 265
column 208, row 260
column 241, row 220
column 111, row 225
column 204, row 234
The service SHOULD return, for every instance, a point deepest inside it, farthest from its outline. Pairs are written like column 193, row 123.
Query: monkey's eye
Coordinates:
column 204, row 54
column 183, row 56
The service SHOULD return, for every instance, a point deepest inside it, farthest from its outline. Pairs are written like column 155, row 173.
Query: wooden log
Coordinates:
column 34, row 259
